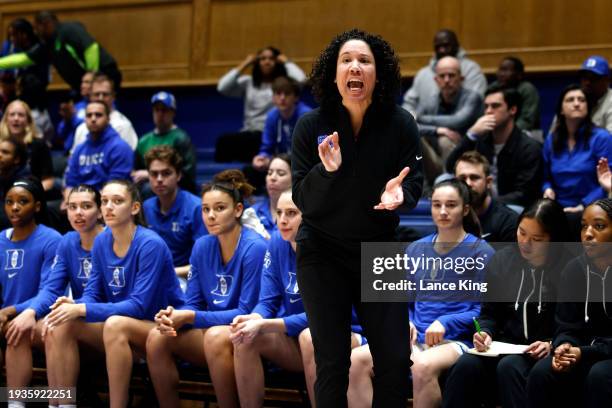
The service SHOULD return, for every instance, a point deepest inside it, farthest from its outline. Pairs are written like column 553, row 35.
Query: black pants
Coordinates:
column 237, row 146
column 473, row 381
column 588, row 384
column 328, row 274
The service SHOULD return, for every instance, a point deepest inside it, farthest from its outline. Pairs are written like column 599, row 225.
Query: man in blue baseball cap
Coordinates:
column 595, row 82
column 166, row 133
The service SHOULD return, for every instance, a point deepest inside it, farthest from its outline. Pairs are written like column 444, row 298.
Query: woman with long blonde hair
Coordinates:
column 18, row 122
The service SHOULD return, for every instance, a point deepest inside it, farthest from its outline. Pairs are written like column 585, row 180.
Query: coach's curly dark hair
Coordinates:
column 387, row 70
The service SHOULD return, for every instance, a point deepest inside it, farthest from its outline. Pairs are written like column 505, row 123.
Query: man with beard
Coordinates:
column 103, row 156
column 497, row 221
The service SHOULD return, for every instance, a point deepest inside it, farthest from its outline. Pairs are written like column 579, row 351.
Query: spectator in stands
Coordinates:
column 510, row 75
column 581, row 364
column 69, row 47
column 278, row 180
column 8, row 48
column 277, row 134
column 571, row 153
column 166, row 133
column 604, row 175
column 27, row 251
column 22, row 37
column 175, row 214
column 28, row 83
column 280, row 121
column 13, row 165
column 73, row 114
column 424, row 87
column 445, row 116
column 514, row 157
column 103, row 156
column 256, row 89
column 522, row 290
column 223, row 283
column 595, row 82
column 103, row 90
column 131, row 278
column 31, row 91
column 439, row 331
column 18, row 122
column 498, row 222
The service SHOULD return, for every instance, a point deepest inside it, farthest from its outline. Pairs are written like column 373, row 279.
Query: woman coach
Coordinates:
column 355, row 160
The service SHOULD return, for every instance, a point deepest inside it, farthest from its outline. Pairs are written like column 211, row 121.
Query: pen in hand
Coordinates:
column 480, row 338
column 477, row 325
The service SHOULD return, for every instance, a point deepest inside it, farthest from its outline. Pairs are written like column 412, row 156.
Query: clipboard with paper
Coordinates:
column 499, row 348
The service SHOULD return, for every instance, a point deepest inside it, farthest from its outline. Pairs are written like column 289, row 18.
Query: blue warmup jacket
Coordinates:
column 276, row 136
column 137, row 285
column 72, row 265
column 218, row 292
column 573, row 175
column 262, row 209
column 456, row 317
column 280, row 296
column 26, row 265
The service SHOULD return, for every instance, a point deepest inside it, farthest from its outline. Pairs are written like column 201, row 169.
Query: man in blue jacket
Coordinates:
column 103, row 156
column 280, row 121
column 278, row 130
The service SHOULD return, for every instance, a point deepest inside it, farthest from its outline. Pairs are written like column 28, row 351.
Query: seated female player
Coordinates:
column 223, row 283
column 132, row 277
column 440, row 331
column 72, row 263
column 26, row 256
